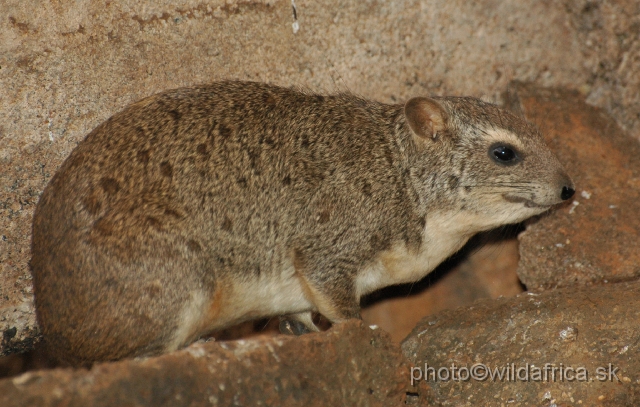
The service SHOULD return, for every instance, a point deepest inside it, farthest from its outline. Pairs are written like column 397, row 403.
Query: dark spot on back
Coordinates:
column 154, row 223
column 141, row 132
column 366, row 188
column 324, row 216
column 143, row 156
column 286, row 180
column 175, row 115
column 173, row 213
column 76, row 160
column 242, row 181
column 225, row 261
column 269, row 99
column 467, row 188
column 210, row 134
column 103, row 227
column 227, row 225
column 111, row 282
column 413, row 237
column 379, row 242
column 304, row 141
column 225, row 132
column 166, row 169
column 92, row 204
column 314, row 176
column 202, row 149
column 254, row 158
column 388, row 156
column 194, row 246
column 299, row 260
column 109, row 185
column 153, row 290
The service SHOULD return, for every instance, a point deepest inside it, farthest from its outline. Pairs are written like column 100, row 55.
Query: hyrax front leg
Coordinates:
column 329, row 286
column 337, row 304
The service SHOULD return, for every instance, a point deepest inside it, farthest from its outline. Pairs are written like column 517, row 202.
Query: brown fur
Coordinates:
column 201, row 207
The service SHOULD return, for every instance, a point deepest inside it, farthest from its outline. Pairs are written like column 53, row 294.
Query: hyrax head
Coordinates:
column 495, row 165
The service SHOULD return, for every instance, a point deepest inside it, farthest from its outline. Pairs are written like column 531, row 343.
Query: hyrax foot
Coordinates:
column 297, row 324
column 293, row 327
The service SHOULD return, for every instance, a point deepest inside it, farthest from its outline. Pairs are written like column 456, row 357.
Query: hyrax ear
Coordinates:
column 425, row 116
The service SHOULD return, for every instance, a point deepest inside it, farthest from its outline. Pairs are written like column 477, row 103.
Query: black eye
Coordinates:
column 503, row 154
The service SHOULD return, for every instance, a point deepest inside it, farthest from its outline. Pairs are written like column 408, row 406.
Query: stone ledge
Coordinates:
column 350, row 364
column 588, row 327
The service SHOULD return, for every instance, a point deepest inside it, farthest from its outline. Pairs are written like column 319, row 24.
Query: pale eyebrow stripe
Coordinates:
column 502, row 135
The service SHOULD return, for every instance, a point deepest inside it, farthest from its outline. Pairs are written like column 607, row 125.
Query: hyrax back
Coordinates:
column 202, row 207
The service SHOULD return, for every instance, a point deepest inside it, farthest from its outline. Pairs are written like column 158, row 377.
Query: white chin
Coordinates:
column 528, row 212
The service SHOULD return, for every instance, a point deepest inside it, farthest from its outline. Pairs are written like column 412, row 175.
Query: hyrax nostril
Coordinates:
column 567, row 192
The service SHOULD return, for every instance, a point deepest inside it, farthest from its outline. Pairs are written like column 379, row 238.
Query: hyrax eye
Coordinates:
column 503, row 154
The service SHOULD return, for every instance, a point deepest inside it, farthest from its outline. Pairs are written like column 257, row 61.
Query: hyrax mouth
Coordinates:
column 563, row 193
column 528, row 203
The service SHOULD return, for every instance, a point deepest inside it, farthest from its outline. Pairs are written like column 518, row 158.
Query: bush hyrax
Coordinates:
column 198, row 208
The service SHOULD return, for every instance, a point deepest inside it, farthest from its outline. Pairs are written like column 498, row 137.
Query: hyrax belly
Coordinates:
column 198, row 208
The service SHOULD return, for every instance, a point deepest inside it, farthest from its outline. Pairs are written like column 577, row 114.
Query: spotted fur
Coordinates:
column 202, row 207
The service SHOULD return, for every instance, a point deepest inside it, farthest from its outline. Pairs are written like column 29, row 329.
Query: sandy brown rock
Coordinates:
column 589, row 328
column 349, row 365
column 609, row 33
column 66, row 66
column 594, row 239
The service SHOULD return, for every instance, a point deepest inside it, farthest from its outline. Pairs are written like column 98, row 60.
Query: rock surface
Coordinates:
column 351, row 365
column 66, row 66
column 595, row 238
column 588, row 329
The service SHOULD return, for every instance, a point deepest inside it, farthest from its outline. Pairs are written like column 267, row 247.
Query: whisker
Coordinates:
column 487, row 184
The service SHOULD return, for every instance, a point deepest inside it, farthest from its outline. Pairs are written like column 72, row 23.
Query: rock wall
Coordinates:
column 65, row 66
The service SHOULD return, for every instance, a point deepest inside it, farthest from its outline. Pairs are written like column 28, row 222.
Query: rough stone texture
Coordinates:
column 65, row 66
column 589, row 328
column 487, row 271
column 350, row 365
column 610, row 34
column 596, row 237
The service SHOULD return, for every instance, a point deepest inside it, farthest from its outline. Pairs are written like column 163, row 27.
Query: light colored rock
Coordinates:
column 565, row 347
column 594, row 238
column 349, row 365
column 65, row 66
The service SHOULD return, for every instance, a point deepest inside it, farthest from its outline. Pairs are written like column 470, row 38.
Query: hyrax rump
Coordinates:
column 198, row 208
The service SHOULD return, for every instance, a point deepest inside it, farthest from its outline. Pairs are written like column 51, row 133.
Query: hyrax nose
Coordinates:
column 567, row 192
